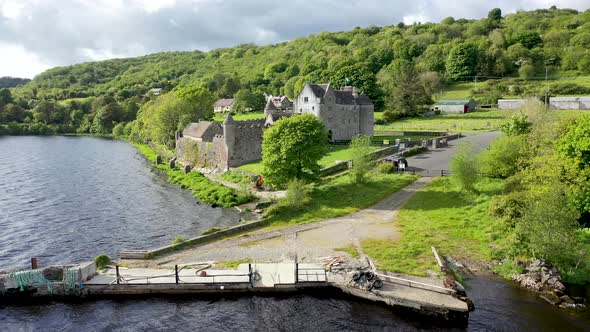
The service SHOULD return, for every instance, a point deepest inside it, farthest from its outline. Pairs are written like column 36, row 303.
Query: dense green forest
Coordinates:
column 521, row 48
column 11, row 82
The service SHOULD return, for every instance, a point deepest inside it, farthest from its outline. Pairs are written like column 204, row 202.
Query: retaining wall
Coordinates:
column 147, row 254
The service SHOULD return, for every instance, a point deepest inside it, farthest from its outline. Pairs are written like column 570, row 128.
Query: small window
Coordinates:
column 305, row 99
column 313, row 108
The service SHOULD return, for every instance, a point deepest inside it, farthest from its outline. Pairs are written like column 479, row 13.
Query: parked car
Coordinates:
column 397, row 161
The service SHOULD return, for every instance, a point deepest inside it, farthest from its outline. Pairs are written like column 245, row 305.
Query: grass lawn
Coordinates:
column 456, row 224
column 338, row 196
column 470, row 122
column 478, row 121
column 336, row 153
column 203, row 189
column 240, row 116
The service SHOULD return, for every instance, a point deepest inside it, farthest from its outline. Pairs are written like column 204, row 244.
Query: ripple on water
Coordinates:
column 66, row 199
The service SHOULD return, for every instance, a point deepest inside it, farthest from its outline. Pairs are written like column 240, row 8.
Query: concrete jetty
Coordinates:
column 421, row 295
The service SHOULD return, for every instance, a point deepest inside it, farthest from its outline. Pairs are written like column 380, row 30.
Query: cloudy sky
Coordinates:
column 39, row 34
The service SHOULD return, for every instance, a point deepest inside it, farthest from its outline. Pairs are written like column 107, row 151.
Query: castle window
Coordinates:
column 313, row 108
column 305, row 99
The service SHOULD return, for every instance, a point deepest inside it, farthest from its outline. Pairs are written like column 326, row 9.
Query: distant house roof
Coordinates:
column 198, row 129
column 453, row 101
column 275, row 116
column 223, row 102
column 580, row 98
column 345, row 96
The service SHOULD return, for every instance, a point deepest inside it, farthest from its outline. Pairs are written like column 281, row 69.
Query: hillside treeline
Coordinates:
column 524, row 44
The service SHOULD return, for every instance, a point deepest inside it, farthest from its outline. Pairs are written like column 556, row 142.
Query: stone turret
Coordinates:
column 270, row 107
column 229, row 134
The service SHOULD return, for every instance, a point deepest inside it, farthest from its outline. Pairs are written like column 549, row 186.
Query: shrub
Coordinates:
column 102, row 261
column 298, row 194
column 386, row 168
column 569, row 89
column 518, row 124
column 380, row 122
column 509, row 207
column 437, row 111
column 362, row 161
column 119, row 130
column 464, row 168
column 501, row 159
column 179, row 239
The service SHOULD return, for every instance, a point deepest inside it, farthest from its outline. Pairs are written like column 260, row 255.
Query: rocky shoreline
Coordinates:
column 538, row 276
column 545, row 279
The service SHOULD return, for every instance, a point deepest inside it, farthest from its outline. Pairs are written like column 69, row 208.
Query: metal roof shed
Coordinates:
column 457, row 106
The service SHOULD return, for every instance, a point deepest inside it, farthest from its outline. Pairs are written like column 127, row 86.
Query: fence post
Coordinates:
column 176, row 273
column 33, row 263
column 442, row 173
column 117, row 268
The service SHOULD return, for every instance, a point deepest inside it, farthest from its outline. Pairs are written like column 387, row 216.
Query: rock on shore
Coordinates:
column 545, row 279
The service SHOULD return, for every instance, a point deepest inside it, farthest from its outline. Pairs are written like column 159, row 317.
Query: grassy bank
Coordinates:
column 439, row 215
column 338, row 196
column 335, row 153
column 203, row 189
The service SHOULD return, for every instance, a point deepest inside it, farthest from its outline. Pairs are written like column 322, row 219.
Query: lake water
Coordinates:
column 67, row 199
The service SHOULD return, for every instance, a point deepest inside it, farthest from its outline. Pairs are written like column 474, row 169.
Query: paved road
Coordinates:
column 433, row 161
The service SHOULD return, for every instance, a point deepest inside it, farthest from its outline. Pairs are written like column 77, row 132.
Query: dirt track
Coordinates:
column 308, row 242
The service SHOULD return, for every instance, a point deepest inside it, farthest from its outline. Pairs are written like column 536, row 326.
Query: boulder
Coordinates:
column 540, row 277
column 53, row 273
column 551, row 298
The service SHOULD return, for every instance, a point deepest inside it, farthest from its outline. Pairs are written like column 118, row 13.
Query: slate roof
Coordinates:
column 319, row 90
column 343, row 97
column 453, row 102
column 581, row 98
column 198, row 129
column 223, row 102
column 278, row 115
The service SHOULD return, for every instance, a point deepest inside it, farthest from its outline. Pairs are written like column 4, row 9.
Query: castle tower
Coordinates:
column 229, row 135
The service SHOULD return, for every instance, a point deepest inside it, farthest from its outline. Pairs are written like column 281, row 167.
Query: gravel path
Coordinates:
column 307, row 242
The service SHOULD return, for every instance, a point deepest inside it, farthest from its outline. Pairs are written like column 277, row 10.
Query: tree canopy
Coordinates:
column 291, row 149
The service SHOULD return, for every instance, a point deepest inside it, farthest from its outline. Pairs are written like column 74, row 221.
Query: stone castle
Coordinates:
column 345, row 113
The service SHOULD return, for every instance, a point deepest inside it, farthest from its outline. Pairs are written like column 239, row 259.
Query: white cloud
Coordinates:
column 69, row 31
column 18, row 62
column 11, row 9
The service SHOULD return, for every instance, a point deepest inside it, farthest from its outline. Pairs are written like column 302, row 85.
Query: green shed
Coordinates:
column 457, row 106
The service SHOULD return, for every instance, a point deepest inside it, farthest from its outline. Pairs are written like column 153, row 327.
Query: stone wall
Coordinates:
column 202, row 154
column 244, row 141
column 341, row 120
column 367, row 119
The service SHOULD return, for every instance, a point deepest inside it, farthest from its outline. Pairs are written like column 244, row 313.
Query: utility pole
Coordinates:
column 547, row 63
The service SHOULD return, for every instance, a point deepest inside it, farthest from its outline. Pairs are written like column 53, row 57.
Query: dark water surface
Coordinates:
column 66, row 199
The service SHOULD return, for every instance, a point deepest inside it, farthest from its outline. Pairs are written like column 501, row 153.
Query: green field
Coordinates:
column 338, row 196
column 439, row 215
column 481, row 120
column 336, row 153
column 470, row 122
column 240, row 116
